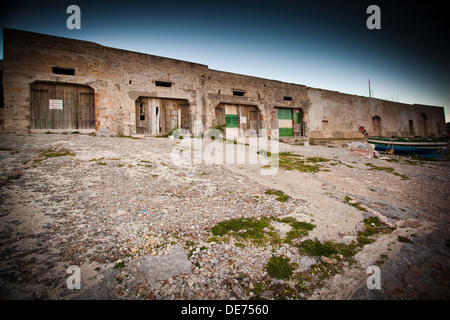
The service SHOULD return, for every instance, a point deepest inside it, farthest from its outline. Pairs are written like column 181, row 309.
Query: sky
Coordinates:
column 320, row 44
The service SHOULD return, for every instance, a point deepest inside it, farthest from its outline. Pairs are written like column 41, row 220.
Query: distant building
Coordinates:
column 59, row 84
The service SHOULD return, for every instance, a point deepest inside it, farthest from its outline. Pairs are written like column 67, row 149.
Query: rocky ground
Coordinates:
column 139, row 224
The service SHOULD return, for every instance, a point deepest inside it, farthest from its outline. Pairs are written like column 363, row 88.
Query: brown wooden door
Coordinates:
column 86, row 109
column 253, row 119
column 142, row 118
column 39, row 108
column 76, row 107
column 376, row 124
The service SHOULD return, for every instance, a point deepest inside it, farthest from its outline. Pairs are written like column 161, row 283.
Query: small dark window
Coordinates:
column 141, row 112
column 167, row 84
column 325, row 121
column 66, row 71
column 287, row 98
column 238, row 93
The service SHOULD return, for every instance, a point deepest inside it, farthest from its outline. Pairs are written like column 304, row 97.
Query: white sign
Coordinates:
column 55, row 104
column 243, row 120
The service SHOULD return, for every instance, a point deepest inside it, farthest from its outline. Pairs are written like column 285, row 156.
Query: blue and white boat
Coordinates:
column 420, row 147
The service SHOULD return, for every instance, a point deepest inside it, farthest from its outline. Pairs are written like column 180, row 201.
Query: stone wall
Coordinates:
column 337, row 115
column 120, row 77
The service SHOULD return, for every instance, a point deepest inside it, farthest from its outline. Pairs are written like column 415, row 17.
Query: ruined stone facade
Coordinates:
column 121, row 92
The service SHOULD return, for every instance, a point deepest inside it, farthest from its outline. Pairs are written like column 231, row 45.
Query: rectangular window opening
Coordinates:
column 65, row 71
column 141, row 112
column 238, row 93
column 287, row 98
column 166, row 84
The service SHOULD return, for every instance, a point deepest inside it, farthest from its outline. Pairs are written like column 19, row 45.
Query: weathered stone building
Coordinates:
column 58, row 84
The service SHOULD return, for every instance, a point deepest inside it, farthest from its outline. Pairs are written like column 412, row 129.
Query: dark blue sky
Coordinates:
column 319, row 44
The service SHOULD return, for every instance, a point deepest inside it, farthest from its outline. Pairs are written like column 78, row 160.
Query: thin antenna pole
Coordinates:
column 370, row 94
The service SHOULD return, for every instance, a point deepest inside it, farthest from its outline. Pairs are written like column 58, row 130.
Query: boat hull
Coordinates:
column 421, row 148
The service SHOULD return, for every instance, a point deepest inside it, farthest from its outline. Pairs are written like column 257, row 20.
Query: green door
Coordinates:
column 285, row 122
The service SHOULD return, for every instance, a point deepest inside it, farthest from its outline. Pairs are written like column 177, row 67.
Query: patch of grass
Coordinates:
column 281, row 196
column 278, row 193
column 299, row 229
column 317, row 159
column 119, row 265
column 378, row 168
column 101, row 163
column 350, row 201
column 404, row 239
column 387, row 169
column 411, row 162
column 242, row 227
column 279, row 267
column 124, row 136
column 13, row 177
column 49, row 153
column 291, row 161
column 317, row 248
column 256, row 230
column 373, row 226
column 327, row 248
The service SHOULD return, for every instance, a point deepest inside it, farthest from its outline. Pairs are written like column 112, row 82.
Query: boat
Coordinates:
column 420, row 147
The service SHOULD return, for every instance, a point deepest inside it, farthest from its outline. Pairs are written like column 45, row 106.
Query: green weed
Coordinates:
column 279, row 267
column 281, row 196
column 49, row 153
column 349, row 200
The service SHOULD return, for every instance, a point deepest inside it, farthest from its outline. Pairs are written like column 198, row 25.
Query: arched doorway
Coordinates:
column 376, row 126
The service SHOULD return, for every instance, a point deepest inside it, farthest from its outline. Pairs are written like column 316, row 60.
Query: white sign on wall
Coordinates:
column 55, row 104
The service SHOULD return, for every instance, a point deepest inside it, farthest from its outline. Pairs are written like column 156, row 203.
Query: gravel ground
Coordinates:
column 119, row 203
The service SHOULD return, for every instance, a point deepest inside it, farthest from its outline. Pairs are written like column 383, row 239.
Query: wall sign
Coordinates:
column 55, row 104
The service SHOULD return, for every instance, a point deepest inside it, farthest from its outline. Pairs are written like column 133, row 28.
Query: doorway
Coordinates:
column 376, row 126
column 156, row 116
column 61, row 106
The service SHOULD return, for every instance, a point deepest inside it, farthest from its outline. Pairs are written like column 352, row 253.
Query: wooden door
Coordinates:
column 62, row 106
column 142, row 117
column 376, row 124
column 253, row 119
column 86, row 109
